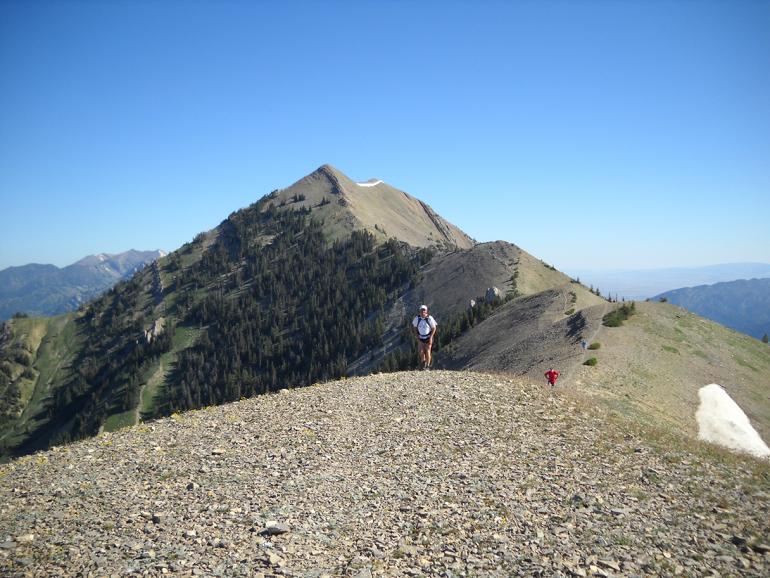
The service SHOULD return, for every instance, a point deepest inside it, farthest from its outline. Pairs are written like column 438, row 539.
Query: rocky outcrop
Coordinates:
column 155, row 329
column 157, row 283
column 330, row 173
column 492, row 294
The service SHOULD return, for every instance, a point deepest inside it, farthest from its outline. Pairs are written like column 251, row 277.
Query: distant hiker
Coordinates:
column 425, row 330
column 584, row 344
column 552, row 375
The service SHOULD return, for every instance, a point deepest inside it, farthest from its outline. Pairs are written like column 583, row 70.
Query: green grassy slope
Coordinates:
column 652, row 367
column 49, row 345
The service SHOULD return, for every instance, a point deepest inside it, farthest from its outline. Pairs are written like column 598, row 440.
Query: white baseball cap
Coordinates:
column 423, row 307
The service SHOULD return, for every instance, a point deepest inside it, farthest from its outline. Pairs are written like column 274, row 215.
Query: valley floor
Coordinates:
column 419, row 474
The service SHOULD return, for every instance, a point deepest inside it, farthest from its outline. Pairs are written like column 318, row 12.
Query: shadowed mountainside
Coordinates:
column 526, row 336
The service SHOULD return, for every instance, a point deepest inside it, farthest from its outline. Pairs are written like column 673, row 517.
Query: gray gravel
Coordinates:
column 411, row 474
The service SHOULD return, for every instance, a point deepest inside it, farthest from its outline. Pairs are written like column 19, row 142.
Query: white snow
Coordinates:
column 722, row 421
column 371, row 183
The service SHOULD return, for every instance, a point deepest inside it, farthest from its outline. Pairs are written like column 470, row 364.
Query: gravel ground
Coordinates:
column 411, row 474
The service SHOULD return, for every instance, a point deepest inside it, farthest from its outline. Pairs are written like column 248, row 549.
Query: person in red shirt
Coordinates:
column 552, row 375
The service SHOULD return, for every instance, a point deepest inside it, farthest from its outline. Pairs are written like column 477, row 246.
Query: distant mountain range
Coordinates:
column 645, row 283
column 743, row 305
column 49, row 290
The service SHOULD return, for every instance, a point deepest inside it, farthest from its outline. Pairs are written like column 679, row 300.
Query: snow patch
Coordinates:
column 370, row 183
column 722, row 421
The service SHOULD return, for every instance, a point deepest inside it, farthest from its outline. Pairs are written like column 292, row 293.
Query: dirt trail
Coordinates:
column 584, row 353
column 156, row 377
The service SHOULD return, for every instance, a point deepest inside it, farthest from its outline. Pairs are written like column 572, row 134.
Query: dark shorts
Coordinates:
column 424, row 339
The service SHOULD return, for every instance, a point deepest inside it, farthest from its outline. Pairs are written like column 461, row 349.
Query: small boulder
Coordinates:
column 492, row 294
column 274, row 559
column 273, row 528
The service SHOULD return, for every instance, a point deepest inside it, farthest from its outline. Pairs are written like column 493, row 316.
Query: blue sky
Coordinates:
column 592, row 134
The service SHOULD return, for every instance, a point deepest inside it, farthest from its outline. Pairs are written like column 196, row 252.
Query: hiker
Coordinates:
column 552, row 375
column 584, row 344
column 425, row 330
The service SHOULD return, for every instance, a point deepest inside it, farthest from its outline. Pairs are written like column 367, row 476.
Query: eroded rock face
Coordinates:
column 155, row 329
column 438, row 474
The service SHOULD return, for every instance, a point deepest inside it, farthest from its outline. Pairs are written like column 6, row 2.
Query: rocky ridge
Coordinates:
column 412, row 474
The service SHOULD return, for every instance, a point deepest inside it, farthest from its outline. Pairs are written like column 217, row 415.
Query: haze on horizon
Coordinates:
column 593, row 134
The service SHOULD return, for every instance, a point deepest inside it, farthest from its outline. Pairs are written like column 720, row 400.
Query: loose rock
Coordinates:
column 458, row 474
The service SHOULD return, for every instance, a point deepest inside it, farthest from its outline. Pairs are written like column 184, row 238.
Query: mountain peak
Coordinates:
column 328, row 169
column 331, row 173
column 372, row 205
column 344, row 183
